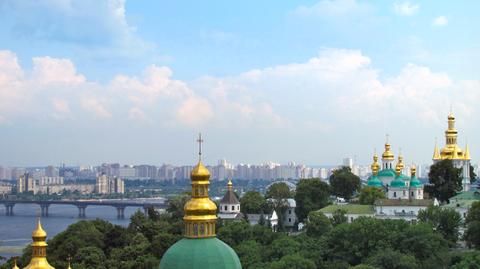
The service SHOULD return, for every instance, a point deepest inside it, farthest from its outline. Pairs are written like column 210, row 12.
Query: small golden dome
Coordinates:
column 200, row 172
column 387, row 154
column 413, row 171
column 39, row 233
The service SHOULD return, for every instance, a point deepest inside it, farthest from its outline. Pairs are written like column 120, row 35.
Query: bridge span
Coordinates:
column 82, row 205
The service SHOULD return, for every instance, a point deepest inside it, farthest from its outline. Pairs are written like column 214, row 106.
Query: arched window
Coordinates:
column 195, row 229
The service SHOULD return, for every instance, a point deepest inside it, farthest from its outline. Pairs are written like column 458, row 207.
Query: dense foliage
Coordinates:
column 369, row 194
column 344, row 183
column 445, row 180
column 365, row 243
column 311, row 194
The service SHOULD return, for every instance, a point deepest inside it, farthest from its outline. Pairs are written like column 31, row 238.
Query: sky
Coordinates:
column 88, row 81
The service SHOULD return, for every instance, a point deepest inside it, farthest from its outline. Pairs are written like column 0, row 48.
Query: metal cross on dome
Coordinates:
column 200, row 141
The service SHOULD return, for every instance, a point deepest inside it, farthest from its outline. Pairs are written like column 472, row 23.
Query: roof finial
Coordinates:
column 200, row 141
column 15, row 266
column 69, row 260
column 387, row 136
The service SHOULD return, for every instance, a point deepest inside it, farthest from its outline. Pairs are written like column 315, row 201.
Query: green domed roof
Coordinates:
column 373, row 181
column 200, row 253
column 414, row 182
column 398, row 182
column 386, row 173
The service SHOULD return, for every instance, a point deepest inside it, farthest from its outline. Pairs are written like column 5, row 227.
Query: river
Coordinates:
column 15, row 231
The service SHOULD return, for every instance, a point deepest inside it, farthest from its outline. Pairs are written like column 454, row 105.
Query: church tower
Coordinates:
column 39, row 249
column 200, row 248
column 387, row 157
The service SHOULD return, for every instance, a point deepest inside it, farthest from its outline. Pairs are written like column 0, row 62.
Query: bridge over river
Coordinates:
column 82, row 205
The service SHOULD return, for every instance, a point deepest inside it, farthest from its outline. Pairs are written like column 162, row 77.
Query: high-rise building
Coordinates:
column 26, row 183
column 101, row 185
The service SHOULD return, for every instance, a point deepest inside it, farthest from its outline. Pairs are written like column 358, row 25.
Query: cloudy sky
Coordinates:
column 88, row 81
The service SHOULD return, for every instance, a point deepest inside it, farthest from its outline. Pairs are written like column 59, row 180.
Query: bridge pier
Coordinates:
column 9, row 209
column 44, row 209
column 120, row 212
column 81, row 211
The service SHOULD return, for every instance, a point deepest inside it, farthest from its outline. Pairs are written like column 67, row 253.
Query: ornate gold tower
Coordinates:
column 387, row 157
column 375, row 166
column 39, row 249
column 200, row 212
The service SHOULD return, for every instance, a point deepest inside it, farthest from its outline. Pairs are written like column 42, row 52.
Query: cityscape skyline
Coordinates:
column 89, row 83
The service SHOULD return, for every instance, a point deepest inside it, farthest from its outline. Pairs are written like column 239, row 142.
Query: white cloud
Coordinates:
column 61, row 108
column 194, row 112
column 440, row 21
column 332, row 8
column 406, row 8
column 51, row 70
column 96, row 107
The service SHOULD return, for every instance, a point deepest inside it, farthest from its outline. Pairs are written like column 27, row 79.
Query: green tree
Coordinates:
column 369, row 194
column 250, row 253
column 473, row 213
column 473, row 176
column 468, row 260
column 282, row 246
column 445, row 180
column 318, row 224
column 391, row 259
column 344, row 183
column 311, row 194
column 446, row 221
column 293, row 261
column 176, row 205
column 339, row 216
column 90, row 257
column 252, row 202
column 279, row 190
column 472, row 221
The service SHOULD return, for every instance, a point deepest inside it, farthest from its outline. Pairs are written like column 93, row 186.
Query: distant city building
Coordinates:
column 50, row 181
column 26, row 183
column 109, row 185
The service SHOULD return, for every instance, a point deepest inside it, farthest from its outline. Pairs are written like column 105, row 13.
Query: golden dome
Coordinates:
column 387, row 154
column 413, row 171
column 375, row 166
column 400, row 162
column 200, row 212
column 39, row 249
column 39, row 233
column 200, row 172
column 230, row 184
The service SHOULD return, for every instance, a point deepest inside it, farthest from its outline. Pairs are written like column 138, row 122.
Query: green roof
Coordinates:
column 386, row 173
column 200, row 253
column 398, row 182
column 414, row 182
column 464, row 199
column 374, row 181
column 349, row 208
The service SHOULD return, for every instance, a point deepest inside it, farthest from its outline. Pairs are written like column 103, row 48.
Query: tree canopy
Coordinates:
column 369, row 194
column 252, row 202
column 445, row 180
column 344, row 183
column 311, row 194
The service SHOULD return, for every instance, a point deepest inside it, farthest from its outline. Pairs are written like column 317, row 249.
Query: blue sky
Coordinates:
column 311, row 81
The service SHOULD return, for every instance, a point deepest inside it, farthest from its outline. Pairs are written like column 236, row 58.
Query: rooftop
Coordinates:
column 349, row 208
column 403, row 202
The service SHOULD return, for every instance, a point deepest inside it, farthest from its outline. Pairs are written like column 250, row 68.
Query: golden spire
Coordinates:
column 413, row 171
column 436, row 152
column 400, row 160
column 230, row 185
column 15, row 263
column 39, row 249
column 375, row 166
column 200, row 212
column 387, row 154
column 451, row 133
column 466, row 156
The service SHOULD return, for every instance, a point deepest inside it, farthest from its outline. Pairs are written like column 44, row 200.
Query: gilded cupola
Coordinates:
column 39, row 249
column 388, row 154
column 200, row 212
column 375, row 166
